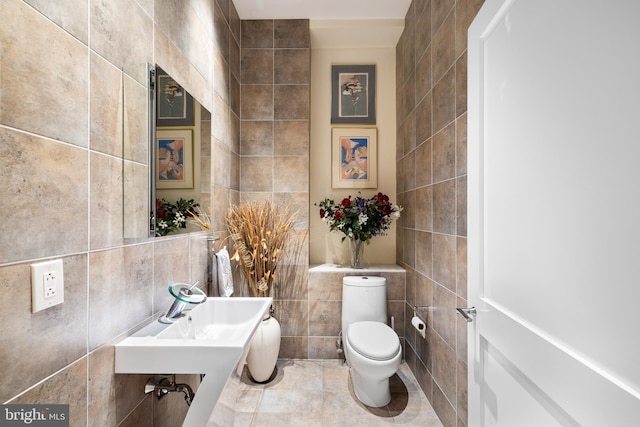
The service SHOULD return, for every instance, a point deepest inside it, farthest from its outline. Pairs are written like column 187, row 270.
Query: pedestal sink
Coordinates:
column 209, row 339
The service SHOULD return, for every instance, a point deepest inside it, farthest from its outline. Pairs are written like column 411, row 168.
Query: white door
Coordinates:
column 554, row 213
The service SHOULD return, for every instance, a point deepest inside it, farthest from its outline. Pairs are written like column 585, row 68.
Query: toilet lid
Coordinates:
column 373, row 340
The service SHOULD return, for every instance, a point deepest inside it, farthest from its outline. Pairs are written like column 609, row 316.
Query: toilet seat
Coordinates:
column 373, row 340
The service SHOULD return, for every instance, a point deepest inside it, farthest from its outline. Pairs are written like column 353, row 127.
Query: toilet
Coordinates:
column 372, row 348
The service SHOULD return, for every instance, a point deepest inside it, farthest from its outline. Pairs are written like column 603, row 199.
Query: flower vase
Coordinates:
column 264, row 349
column 356, row 250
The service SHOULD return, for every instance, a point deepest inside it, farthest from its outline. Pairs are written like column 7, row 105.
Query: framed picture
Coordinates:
column 174, row 105
column 354, row 163
column 174, row 158
column 353, row 94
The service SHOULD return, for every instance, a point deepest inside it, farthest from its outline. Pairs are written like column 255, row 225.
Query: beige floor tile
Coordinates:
column 335, row 375
column 341, row 409
column 318, row 393
column 297, row 375
column 292, row 402
column 417, row 411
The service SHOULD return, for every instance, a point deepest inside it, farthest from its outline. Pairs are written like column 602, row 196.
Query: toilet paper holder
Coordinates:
column 418, row 322
column 418, row 308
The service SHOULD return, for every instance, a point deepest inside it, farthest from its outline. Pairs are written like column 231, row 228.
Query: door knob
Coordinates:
column 468, row 313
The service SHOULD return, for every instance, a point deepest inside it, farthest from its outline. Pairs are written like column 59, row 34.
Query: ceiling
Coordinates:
column 322, row 9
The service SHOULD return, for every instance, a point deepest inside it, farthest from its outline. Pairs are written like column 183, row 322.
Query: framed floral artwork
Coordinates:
column 174, row 158
column 174, row 105
column 353, row 94
column 354, row 163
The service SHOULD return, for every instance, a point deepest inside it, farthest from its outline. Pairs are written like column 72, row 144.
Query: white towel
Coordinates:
column 225, row 278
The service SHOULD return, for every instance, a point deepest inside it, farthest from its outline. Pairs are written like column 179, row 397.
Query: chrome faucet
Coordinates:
column 183, row 294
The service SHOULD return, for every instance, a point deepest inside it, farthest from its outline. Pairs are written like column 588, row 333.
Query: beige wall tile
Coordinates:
column 435, row 65
column 325, row 318
column 424, row 253
column 461, row 145
column 293, row 317
column 444, row 101
column 444, row 156
column 111, row 397
column 461, row 85
column 292, row 66
column 443, row 47
column 292, row 282
column 221, row 31
column 291, row 138
column 424, row 208
column 298, row 201
column 67, row 387
column 256, row 174
column 291, row 173
column 294, row 347
column 220, row 75
column 140, row 415
column 106, row 202
column 45, row 83
column 424, row 114
column 291, row 102
column 291, row 33
column 444, row 316
column 120, row 290
column 324, row 348
column 56, row 86
column 123, row 18
column 257, row 66
column 71, row 15
column 106, row 107
column 256, row 138
column 257, row 102
column 136, row 124
column 257, row 34
column 42, row 173
column 60, row 329
column 444, row 260
column 136, row 199
column 171, row 265
column 325, row 286
column 423, row 34
column 444, row 207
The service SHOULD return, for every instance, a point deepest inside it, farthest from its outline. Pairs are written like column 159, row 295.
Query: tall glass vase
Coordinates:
column 356, row 250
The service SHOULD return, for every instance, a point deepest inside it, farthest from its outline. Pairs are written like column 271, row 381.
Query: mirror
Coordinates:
column 180, row 137
column 135, row 152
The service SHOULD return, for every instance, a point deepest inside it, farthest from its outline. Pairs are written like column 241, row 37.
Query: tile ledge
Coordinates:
column 372, row 268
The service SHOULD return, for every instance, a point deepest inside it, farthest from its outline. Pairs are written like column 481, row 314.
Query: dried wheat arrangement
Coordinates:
column 260, row 233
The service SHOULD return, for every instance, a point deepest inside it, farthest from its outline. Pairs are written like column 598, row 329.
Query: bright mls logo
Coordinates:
column 35, row 415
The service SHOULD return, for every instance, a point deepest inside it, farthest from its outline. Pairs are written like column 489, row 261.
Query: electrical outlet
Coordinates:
column 47, row 284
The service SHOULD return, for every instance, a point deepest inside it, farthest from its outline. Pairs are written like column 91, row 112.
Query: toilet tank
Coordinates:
column 363, row 298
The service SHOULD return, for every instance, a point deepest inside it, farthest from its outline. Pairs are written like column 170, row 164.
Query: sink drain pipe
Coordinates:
column 163, row 386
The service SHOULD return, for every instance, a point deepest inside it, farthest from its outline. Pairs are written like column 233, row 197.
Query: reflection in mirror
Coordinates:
column 180, row 136
column 135, row 156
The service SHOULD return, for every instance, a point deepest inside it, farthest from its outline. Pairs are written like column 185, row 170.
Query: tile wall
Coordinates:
column 73, row 82
column 325, row 304
column 62, row 150
column 431, row 163
column 274, row 152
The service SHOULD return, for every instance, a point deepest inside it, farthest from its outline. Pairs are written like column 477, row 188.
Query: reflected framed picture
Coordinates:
column 174, row 158
column 354, row 162
column 353, row 94
column 174, row 106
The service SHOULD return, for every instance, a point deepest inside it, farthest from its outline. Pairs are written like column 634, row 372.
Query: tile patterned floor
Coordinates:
column 317, row 393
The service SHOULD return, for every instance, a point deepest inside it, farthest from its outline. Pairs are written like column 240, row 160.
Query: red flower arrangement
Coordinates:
column 359, row 218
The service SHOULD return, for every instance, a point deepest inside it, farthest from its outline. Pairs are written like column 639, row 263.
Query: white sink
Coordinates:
column 210, row 339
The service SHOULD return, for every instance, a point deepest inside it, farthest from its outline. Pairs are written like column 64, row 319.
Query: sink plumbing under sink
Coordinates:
column 210, row 337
